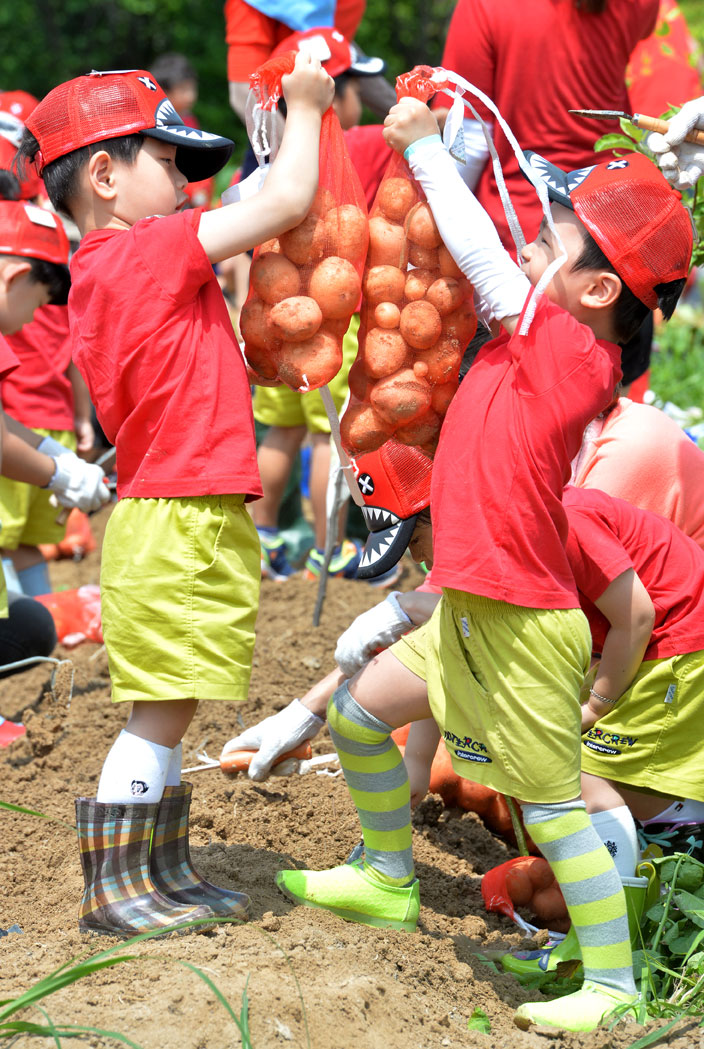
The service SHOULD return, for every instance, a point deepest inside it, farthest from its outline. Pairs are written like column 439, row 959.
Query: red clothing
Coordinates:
column 39, row 393
column 370, row 156
column 537, row 59
column 153, row 340
column 607, row 537
column 663, row 70
column 8, row 361
column 506, row 445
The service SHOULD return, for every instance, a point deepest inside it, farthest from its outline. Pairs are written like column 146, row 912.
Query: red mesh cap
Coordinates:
column 100, row 106
column 395, row 484
column 335, row 54
column 32, row 232
column 632, row 213
column 15, row 107
column 30, row 184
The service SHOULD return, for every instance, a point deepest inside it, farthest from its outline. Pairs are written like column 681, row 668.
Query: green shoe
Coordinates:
column 584, row 1010
column 352, row 894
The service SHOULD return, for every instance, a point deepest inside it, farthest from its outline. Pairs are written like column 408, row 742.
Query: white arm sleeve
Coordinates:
column 468, row 232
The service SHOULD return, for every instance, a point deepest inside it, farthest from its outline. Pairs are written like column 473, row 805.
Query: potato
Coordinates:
column 296, row 318
column 448, row 266
column 359, row 381
column 362, row 429
column 384, row 284
column 347, row 232
column 446, row 294
column 270, row 245
column 442, row 396
column 274, row 277
column 395, row 197
column 256, row 326
column 306, row 241
column 264, row 362
column 417, row 283
column 443, row 360
column 422, row 258
column 336, row 287
column 420, row 369
column 338, row 328
column 310, row 364
column 387, row 315
column 420, row 324
column 323, row 201
column 421, row 431
column 461, row 324
column 401, row 397
column 384, row 352
column 421, row 228
column 387, row 244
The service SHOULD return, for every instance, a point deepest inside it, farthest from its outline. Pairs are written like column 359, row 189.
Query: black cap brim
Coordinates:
column 364, row 65
column 386, row 545
column 559, row 183
column 199, row 155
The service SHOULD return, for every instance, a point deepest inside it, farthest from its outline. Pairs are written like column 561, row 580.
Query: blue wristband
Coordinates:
column 408, row 153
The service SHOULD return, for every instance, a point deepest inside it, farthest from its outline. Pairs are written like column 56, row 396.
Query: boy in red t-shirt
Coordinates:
column 500, row 664
column 153, row 339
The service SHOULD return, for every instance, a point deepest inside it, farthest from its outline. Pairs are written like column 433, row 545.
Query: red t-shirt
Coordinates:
column 506, row 445
column 537, row 59
column 153, row 340
column 39, row 393
column 8, row 360
column 370, row 156
column 607, row 537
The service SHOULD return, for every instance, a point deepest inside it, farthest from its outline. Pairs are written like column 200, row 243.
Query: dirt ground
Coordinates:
column 311, row 979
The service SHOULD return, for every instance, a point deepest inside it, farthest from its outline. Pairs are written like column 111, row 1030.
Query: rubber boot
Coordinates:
column 170, row 863
column 564, row 957
column 120, row 897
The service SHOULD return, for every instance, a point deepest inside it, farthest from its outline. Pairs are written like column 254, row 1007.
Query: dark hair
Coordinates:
column 342, row 81
column 171, row 69
column 9, row 185
column 56, row 278
column 592, row 7
column 61, row 175
column 629, row 311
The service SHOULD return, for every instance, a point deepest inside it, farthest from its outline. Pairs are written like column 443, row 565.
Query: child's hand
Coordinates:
column 409, row 120
column 308, row 85
column 418, row 771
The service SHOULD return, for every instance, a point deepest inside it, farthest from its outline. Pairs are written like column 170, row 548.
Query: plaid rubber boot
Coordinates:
column 170, row 863
column 120, row 897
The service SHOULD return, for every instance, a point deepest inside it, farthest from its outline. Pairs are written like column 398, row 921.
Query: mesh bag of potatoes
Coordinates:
column 305, row 285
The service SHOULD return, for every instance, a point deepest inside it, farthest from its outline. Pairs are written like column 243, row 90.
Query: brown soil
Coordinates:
column 312, row 979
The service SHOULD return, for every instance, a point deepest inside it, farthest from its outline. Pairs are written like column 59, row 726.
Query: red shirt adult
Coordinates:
column 609, row 536
column 39, row 393
column 8, row 360
column 153, row 340
column 537, row 59
column 507, row 441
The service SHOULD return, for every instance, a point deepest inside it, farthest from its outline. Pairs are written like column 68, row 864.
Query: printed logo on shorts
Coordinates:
column 468, row 749
column 138, row 787
column 611, row 743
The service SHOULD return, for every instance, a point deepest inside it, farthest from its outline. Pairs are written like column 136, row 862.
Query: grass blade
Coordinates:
column 653, row 1036
column 33, row 812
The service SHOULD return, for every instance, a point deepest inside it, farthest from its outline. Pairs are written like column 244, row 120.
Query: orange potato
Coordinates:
column 323, row 201
column 421, row 431
column 384, row 284
column 306, row 241
column 240, row 760
column 446, row 294
column 255, row 379
column 264, row 362
column 336, row 287
column 310, row 364
column 336, row 328
column 420, row 368
column 256, row 326
column 540, row 872
column 423, row 258
column 347, row 232
column 359, row 381
column 442, row 395
column 548, row 904
column 384, row 352
column 401, row 397
column 443, row 360
column 274, row 277
column 387, row 315
column 395, row 197
column 417, row 284
column 421, row 228
column 448, row 266
column 519, row 887
column 387, row 244
column 296, row 318
column 461, row 324
column 420, row 325
column 270, row 245
column 362, row 429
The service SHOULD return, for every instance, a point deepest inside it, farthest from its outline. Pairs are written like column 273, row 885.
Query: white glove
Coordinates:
column 274, row 736
column 373, row 630
column 77, row 483
column 682, row 163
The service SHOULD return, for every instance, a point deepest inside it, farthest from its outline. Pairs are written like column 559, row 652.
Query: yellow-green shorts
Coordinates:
column 503, row 686
column 26, row 514
column 179, row 596
column 280, row 406
column 652, row 738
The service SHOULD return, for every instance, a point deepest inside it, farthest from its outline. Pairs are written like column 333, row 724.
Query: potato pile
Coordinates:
column 417, row 319
column 303, row 289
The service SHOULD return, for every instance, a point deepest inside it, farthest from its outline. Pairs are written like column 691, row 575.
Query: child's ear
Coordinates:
column 603, row 291
column 13, row 269
column 101, row 174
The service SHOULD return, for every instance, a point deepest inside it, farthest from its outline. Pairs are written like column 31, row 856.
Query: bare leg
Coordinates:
column 163, row 722
column 390, row 692
column 275, row 459
column 601, row 795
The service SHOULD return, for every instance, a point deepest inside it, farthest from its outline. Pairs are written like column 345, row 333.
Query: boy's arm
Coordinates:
column 421, row 745
column 631, row 614
column 82, row 422
column 287, row 194
column 465, row 227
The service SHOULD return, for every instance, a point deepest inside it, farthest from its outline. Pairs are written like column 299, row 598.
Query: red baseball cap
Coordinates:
column 19, row 103
column 395, row 483
column 100, row 106
column 32, row 232
column 336, row 54
column 15, row 107
column 632, row 213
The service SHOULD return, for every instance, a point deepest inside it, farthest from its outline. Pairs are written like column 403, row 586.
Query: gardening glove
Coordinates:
column 370, row 632
column 77, row 483
column 682, row 163
column 275, row 736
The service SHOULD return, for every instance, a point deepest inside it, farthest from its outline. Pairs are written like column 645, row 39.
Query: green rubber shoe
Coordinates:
column 590, row 1006
column 352, row 894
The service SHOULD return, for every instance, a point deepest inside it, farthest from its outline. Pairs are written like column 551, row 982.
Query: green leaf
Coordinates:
column 614, row 141
column 479, row 1021
column 653, row 1036
column 32, row 812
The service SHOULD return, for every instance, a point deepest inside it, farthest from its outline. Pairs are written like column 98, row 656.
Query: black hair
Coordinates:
column 171, row 69
column 629, row 311
column 55, row 276
column 592, row 7
column 9, row 185
column 342, row 81
column 61, row 175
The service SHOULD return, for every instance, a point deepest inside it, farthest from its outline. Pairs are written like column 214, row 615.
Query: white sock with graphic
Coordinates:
column 617, row 830
column 134, row 771
column 685, row 811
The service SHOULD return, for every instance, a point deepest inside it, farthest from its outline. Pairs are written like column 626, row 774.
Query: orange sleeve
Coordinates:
column 251, row 37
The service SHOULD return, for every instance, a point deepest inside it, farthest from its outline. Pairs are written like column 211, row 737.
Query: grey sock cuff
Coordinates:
column 541, row 812
column 346, row 705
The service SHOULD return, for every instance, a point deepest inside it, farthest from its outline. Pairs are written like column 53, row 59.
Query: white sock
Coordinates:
column 618, row 833
column 134, row 771
column 685, row 811
column 173, row 774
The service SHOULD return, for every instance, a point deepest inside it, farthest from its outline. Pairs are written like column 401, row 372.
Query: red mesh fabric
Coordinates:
column 305, row 285
column 31, row 232
column 401, row 475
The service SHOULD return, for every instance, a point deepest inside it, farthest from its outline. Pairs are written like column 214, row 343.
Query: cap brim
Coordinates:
column 199, row 154
column 560, row 184
column 364, row 65
column 385, row 545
